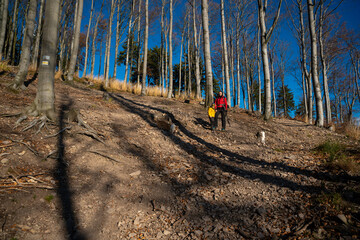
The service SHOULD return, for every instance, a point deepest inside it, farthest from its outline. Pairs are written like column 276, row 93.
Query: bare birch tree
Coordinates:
column 225, row 51
column 146, row 39
column 314, row 65
column 265, row 38
column 87, row 37
column 209, row 95
column 170, row 90
column 75, row 48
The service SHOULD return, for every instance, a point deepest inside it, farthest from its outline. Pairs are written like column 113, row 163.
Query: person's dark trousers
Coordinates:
column 212, row 122
column 221, row 111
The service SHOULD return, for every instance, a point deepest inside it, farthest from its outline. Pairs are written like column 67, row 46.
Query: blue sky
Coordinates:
column 349, row 11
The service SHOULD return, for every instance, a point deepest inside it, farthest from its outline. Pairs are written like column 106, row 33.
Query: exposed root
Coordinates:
column 62, row 130
column 10, row 114
column 41, row 121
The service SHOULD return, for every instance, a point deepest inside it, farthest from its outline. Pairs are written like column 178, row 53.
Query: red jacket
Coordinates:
column 221, row 102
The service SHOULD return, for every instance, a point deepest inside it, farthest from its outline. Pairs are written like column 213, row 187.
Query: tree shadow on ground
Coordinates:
column 236, row 158
column 61, row 175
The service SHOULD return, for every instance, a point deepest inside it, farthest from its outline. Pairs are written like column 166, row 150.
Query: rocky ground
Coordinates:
column 128, row 177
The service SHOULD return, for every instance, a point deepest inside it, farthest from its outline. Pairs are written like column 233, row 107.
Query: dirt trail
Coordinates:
column 146, row 183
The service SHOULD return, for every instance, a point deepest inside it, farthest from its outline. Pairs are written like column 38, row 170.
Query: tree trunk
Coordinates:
column 170, row 92
column 314, row 65
column 87, row 37
column 188, row 92
column 128, row 43
column 5, row 4
column 273, row 87
column 265, row 37
column 324, row 67
column 38, row 36
column 259, row 68
column 146, row 38
column 26, row 47
column 225, row 51
column 180, row 62
column 197, row 57
column 13, row 29
column 107, row 60
column 75, row 49
column 139, row 43
column 44, row 102
column 94, row 42
column 209, row 95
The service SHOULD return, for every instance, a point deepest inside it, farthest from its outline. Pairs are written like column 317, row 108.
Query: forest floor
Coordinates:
column 139, row 181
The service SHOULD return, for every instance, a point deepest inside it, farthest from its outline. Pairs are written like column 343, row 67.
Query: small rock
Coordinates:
column 198, row 233
column 166, row 232
column 4, row 161
column 21, row 153
column 136, row 221
column 301, row 216
column 135, row 174
column 342, row 218
column 261, row 211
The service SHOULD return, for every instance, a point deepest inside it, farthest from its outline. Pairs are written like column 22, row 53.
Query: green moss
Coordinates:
column 49, row 198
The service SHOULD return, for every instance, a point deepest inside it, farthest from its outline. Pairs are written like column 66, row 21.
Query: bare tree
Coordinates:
column 265, row 38
column 170, row 92
column 26, row 47
column 75, row 48
column 209, row 95
column 45, row 96
column 225, row 51
column 314, row 65
column 4, row 15
column 38, row 35
column 146, row 39
column 197, row 56
column 94, row 40
column 87, row 37
column 13, row 29
column 108, row 44
column 128, row 42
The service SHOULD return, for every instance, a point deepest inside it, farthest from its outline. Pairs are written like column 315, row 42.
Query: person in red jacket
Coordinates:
column 221, row 108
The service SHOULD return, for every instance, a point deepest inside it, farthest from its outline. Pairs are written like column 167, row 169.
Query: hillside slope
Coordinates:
column 139, row 181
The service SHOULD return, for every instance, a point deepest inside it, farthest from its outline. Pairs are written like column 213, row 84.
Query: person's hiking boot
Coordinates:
column 223, row 129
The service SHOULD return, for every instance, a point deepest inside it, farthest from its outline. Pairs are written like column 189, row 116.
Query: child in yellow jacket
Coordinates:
column 211, row 113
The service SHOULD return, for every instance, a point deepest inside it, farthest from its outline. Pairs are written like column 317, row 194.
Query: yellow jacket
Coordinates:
column 211, row 112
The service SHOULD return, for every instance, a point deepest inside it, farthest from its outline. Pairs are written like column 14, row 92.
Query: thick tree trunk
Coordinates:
column 314, row 66
column 44, row 102
column 26, row 47
column 75, row 49
column 265, row 37
column 87, row 38
column 209, row 95
column 38, row 35
column 146, row 39
column 225, row 51
column 4, row 14
column 13, row 29
column 128, row 43
column 170, row 92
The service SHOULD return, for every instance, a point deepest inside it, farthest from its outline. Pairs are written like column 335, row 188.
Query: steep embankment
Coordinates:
column 138, row 181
